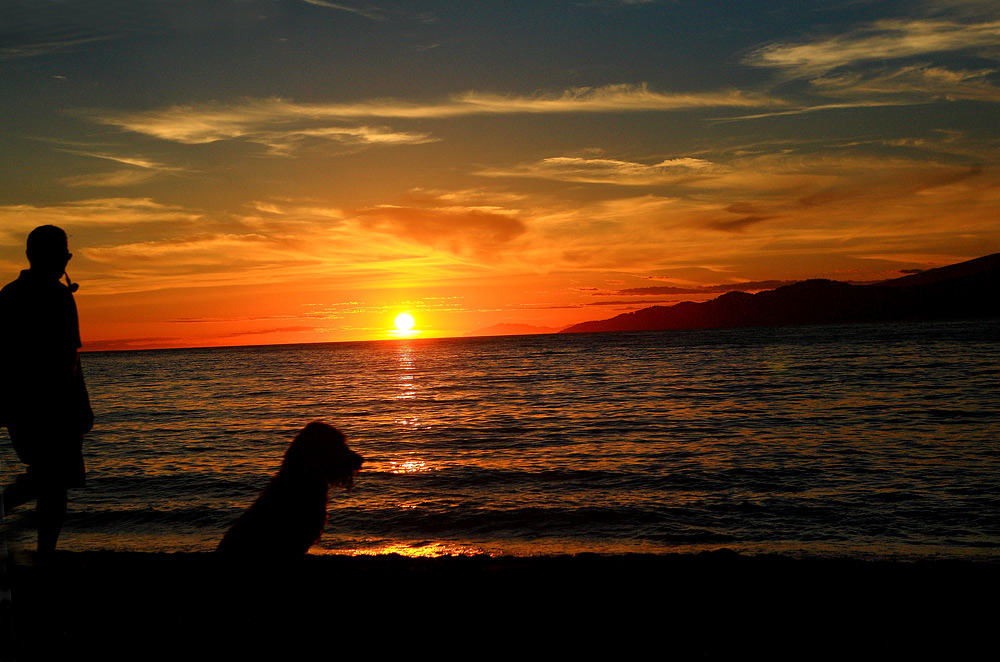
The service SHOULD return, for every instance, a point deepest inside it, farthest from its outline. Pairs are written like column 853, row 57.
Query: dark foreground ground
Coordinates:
column 715, row 605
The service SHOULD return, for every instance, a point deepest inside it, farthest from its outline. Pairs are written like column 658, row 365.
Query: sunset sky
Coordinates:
column 265, row 171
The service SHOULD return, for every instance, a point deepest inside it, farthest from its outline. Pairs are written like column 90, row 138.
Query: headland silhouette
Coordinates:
column 963, row 290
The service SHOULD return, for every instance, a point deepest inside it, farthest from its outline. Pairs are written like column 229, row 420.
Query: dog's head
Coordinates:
column 322, row 449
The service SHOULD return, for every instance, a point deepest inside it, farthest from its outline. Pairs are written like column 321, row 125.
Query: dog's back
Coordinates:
column 288, row 517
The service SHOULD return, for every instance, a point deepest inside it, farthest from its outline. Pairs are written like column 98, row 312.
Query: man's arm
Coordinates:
column 85, row 411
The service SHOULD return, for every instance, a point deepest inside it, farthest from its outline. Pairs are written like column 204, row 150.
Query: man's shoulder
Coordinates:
column 11, row 288
column 28, row 291
column 14, row 284
column 27, row 281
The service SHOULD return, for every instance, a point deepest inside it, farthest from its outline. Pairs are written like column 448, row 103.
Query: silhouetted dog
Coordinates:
column 289, row 515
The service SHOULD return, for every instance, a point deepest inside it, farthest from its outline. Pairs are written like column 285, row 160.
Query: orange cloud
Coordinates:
column 608, row 171
column 458, row 229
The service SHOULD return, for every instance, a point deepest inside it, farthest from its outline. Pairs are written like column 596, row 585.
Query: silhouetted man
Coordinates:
column 43, row 398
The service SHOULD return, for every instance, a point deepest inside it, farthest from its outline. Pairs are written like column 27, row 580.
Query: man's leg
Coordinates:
column 51, row 511
column 21, row 491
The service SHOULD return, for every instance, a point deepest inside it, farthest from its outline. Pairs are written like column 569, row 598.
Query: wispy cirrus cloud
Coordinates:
column 16, row 220
column 283, row 122
column 608, row 171
column 372, row 13
column 112, row 179
column 286, row 142
column 630, row 303
column 818, row 108
column 918, row 82
column 15, row 51
column 882, row 40
column 279, row 125
column 137, row 161
column 189, row 247
column 746, row 286
column 609, row 98
column 142, row 170
column 878, row 64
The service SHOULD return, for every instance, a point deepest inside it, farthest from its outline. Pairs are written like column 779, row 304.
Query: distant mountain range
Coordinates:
column 965, row 290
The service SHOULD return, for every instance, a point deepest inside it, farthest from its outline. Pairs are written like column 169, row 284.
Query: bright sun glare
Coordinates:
column 405, row 322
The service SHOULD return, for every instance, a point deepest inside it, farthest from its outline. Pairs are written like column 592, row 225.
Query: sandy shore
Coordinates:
column 710, row 605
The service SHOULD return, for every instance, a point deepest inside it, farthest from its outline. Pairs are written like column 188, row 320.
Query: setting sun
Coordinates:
column 405, row 322
column 403, row 326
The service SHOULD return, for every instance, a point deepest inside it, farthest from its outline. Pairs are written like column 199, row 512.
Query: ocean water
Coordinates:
column 865, row 440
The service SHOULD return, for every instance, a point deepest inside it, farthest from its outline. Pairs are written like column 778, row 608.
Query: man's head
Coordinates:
column 48, row 250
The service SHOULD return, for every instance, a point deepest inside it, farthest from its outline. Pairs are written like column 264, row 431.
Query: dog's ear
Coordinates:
column 313, row 444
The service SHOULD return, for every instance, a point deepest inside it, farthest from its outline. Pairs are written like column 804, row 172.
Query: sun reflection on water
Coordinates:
column 408, row 467
column 405, row 378
column 411, row 550
column 407, row 389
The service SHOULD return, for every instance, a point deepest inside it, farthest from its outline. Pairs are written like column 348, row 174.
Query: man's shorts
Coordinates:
column 53, row 453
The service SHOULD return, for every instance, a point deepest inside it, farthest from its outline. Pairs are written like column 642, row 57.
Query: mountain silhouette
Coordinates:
column 963, row 290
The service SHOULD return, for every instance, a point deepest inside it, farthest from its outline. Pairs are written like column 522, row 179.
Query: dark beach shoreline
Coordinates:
column 713, row 604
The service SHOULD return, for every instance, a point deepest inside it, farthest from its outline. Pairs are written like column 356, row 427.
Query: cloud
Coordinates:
column 607, row 171
column 760, row 175
column 260, row 332
column 146, row 170
column 297, row 206
column 632, row 302
column 479, row 197
column 15, row 51
column 198, row 260
column 775, row 206
column 748, row 286
column 217, row 247
column 137, row 161
column 136, row 245
column 272, row 122
column 207, row 259
column 456, row 229
column 790, row 206
column 437, row 229
column 114, row 178
column 738, row 224
column 285, row 142
column 610, row 98
column 882, row 40
column 134, row 343
column 279, row 125
column 920, row 82
column 816, row 108
column 372, row 14
column 101, row 212
column 280, row 121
